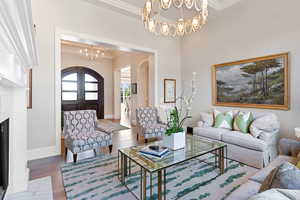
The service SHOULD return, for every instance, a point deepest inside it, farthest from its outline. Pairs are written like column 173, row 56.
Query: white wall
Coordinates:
column 247, row 30
column 103, row 66
column 82, row 17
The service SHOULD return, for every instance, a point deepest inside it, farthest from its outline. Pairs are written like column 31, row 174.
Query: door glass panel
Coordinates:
column 69, row 85
column 91, row 96
column 70, row 77
column 69, row 96
column 89, row 78
column 91, row 86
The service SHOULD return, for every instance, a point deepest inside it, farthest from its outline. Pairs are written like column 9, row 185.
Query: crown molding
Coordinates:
column 221, row 4
column 122, row 5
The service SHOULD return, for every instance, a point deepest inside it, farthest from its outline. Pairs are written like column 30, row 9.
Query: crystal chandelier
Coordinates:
column 92, row 52
column 154, row 23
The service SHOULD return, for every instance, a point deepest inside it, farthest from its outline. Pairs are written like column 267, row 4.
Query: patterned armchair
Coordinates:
column 83, row 132
column 148, row 123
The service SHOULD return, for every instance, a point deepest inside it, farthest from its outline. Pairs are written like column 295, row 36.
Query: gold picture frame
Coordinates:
column 261, row 82
column 29, row 89
column 169, row 90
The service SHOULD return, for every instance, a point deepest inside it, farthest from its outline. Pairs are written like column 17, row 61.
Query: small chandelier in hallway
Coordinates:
column 92, row 53
column 154, row 23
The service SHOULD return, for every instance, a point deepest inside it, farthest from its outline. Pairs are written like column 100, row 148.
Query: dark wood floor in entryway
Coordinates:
column 50, row 166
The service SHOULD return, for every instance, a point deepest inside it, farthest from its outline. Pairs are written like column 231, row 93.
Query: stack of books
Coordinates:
column 155, row 151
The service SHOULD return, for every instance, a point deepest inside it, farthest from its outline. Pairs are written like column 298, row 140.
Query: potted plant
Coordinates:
column 174, row 137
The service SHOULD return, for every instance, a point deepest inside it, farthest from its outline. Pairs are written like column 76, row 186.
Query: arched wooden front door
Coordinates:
column 81, row 89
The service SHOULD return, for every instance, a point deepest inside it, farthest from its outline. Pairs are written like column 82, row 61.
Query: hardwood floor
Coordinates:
column 50, row 166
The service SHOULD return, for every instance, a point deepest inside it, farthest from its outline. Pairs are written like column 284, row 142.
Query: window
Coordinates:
column 82, row 89
column 90, row 88
column 89, row 78
column 91, row 96
column 70, row 77
column 70, row 87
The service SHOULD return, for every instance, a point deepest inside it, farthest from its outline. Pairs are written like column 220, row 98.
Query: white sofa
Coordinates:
column 252, row 186
column 256, row 152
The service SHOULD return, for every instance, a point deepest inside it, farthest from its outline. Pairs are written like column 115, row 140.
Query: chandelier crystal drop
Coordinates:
column 156, row 24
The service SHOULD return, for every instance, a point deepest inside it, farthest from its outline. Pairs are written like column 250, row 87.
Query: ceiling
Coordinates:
column 215, row 4
column 133, row 7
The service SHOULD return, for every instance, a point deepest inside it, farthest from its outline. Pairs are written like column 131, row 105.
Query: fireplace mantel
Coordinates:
column 13, row 106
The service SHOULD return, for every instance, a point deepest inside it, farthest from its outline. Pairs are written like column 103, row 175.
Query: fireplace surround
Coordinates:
column 4, row 157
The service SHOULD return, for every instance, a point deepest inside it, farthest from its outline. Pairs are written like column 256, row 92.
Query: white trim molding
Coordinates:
column 136, row 11
column 44, row 152
column 123, row 6
column 70, row 35
column 110, row 116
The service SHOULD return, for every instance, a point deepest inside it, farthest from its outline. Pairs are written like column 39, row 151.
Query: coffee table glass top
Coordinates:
column 194, row 147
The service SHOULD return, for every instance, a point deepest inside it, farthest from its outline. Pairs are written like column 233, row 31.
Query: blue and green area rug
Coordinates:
column 97, row 179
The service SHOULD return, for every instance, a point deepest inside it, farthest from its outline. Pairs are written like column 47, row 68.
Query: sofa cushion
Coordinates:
column 287, row 177
column 86, row 141
column 275, row 194
column 245, row 191
column 209, row 132
column 263, row 173
column 244, row 140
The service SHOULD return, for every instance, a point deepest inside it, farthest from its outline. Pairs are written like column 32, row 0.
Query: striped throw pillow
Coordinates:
column 242, row 122
column 223, row 120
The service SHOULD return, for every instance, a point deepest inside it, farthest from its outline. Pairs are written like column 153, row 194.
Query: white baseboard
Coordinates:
column 21, row 186
column 108, row 116
column 44, row 152
column 133, row 122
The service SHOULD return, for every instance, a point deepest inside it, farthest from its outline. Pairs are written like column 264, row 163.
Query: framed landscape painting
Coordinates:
column 255, row 83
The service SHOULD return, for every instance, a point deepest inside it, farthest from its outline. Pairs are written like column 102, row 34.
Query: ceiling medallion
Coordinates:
column 154, row 23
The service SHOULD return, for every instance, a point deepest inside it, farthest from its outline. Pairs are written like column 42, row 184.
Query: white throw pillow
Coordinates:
column 267, row 123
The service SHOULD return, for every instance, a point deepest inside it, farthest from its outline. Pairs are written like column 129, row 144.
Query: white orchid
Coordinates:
column 180, row 111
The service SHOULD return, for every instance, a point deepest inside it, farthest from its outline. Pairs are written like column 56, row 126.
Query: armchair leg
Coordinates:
column 146, row 140
column 74, row 158
column 137, row 136
column 66, row 152
column 110, row 148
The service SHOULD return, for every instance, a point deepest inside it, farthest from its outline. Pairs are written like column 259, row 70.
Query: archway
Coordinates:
column 81, row 89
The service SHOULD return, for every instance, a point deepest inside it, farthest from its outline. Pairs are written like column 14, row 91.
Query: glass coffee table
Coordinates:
column 194, row 149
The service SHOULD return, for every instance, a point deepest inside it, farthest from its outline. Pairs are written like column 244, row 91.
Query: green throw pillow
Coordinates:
column 223, row 120
column 243, row 121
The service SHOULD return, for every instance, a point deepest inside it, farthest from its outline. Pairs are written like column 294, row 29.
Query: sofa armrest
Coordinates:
column 201, row 124
column 271, row 138
column 266, row 124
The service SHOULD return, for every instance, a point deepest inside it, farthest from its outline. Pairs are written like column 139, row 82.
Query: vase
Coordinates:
column 175, row 141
